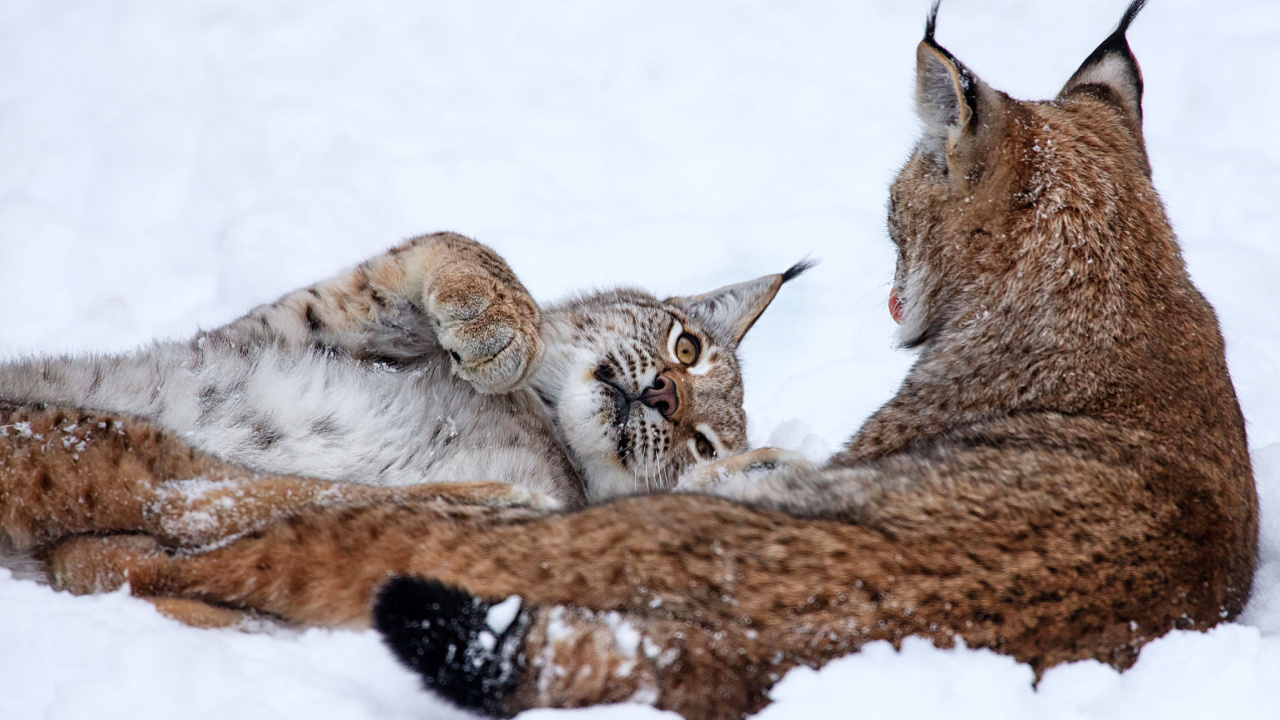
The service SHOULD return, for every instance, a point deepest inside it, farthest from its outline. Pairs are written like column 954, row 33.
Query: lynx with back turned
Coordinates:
column 1062, row 476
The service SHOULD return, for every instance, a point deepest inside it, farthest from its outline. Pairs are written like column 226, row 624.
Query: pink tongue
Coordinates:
column 895, row 306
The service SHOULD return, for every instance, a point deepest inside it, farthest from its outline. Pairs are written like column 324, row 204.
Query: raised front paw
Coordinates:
column 484, row 318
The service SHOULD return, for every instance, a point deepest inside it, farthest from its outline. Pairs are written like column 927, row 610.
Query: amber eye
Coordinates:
column 705, row 449
column 687, row 349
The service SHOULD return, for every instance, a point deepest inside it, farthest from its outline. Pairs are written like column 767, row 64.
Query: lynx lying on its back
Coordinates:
column 431, row 363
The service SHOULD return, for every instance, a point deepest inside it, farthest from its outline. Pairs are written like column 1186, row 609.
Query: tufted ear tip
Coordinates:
column 949, row 97
column 1111, row 71
column 729, row 312
column 797, row 270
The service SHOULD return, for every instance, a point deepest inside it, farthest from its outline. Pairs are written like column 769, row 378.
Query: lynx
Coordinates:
column 1063, row 474
column 432, row 364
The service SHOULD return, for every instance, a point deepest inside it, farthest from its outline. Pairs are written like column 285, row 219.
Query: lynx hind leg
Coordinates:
column 200, row 513
column 501, row 658
column 90, row 564
column 200, row 614
column 65, row 471
column 94, row 564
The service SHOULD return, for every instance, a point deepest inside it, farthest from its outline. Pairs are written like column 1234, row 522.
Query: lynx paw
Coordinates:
column 747, row 466
column 90, row 564
column 489, row 327
column 518, row 497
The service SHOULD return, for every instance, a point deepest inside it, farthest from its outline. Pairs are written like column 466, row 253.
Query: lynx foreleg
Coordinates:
column 434, row 291
column 202, row 614
column 66, row 472
column 239, row 576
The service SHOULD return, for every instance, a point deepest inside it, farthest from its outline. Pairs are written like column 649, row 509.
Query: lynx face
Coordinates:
column 642, row 389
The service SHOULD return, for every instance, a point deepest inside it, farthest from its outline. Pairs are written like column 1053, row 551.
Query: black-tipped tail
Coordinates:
column 797, row 270
column 463, row 651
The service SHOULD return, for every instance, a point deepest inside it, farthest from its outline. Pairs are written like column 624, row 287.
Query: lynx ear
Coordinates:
column 729, row 312
column 949, row 98
column 1111, row 72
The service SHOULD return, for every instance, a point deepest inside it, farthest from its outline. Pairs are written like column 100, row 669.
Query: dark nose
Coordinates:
column 662, row 396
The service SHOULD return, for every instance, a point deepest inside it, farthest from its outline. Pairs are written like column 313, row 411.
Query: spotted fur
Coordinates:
column 1063, row 475
column 427, row 364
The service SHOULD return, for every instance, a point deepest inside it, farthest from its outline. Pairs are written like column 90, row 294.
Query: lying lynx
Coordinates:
column 1063, row 474
column 431, row 363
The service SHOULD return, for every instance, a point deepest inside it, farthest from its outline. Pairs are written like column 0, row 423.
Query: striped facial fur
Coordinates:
column 642, row 388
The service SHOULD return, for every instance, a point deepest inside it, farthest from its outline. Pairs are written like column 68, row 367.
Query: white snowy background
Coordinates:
column 166, row 165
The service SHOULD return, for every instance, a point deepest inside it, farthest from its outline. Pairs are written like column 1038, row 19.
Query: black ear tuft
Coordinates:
column 1135, row 7
column 931, row 25
column 465, row 649
column 1112, row 66
column 797, row 270
column 727, row 313
column 947, row 92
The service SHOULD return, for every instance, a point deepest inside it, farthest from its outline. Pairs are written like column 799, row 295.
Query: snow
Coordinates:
column 164, row 166
column 501, row 615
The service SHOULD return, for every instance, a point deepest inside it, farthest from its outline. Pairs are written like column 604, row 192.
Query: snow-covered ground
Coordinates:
column 166, row 165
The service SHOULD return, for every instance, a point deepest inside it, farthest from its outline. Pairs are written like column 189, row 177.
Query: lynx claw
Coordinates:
column 90, row 564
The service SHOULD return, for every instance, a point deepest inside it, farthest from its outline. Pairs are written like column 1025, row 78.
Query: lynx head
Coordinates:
column 1006, row 208
column 641, row 388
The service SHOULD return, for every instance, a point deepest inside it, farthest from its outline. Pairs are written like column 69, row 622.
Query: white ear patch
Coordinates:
column 1110, row 70
column 1115, row 72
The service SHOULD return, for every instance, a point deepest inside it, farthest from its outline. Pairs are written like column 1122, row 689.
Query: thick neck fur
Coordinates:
column 1051, row 281
column 553, row 382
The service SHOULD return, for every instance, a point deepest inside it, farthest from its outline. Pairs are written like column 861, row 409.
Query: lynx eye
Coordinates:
column 704, row 448
column 687, row 349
